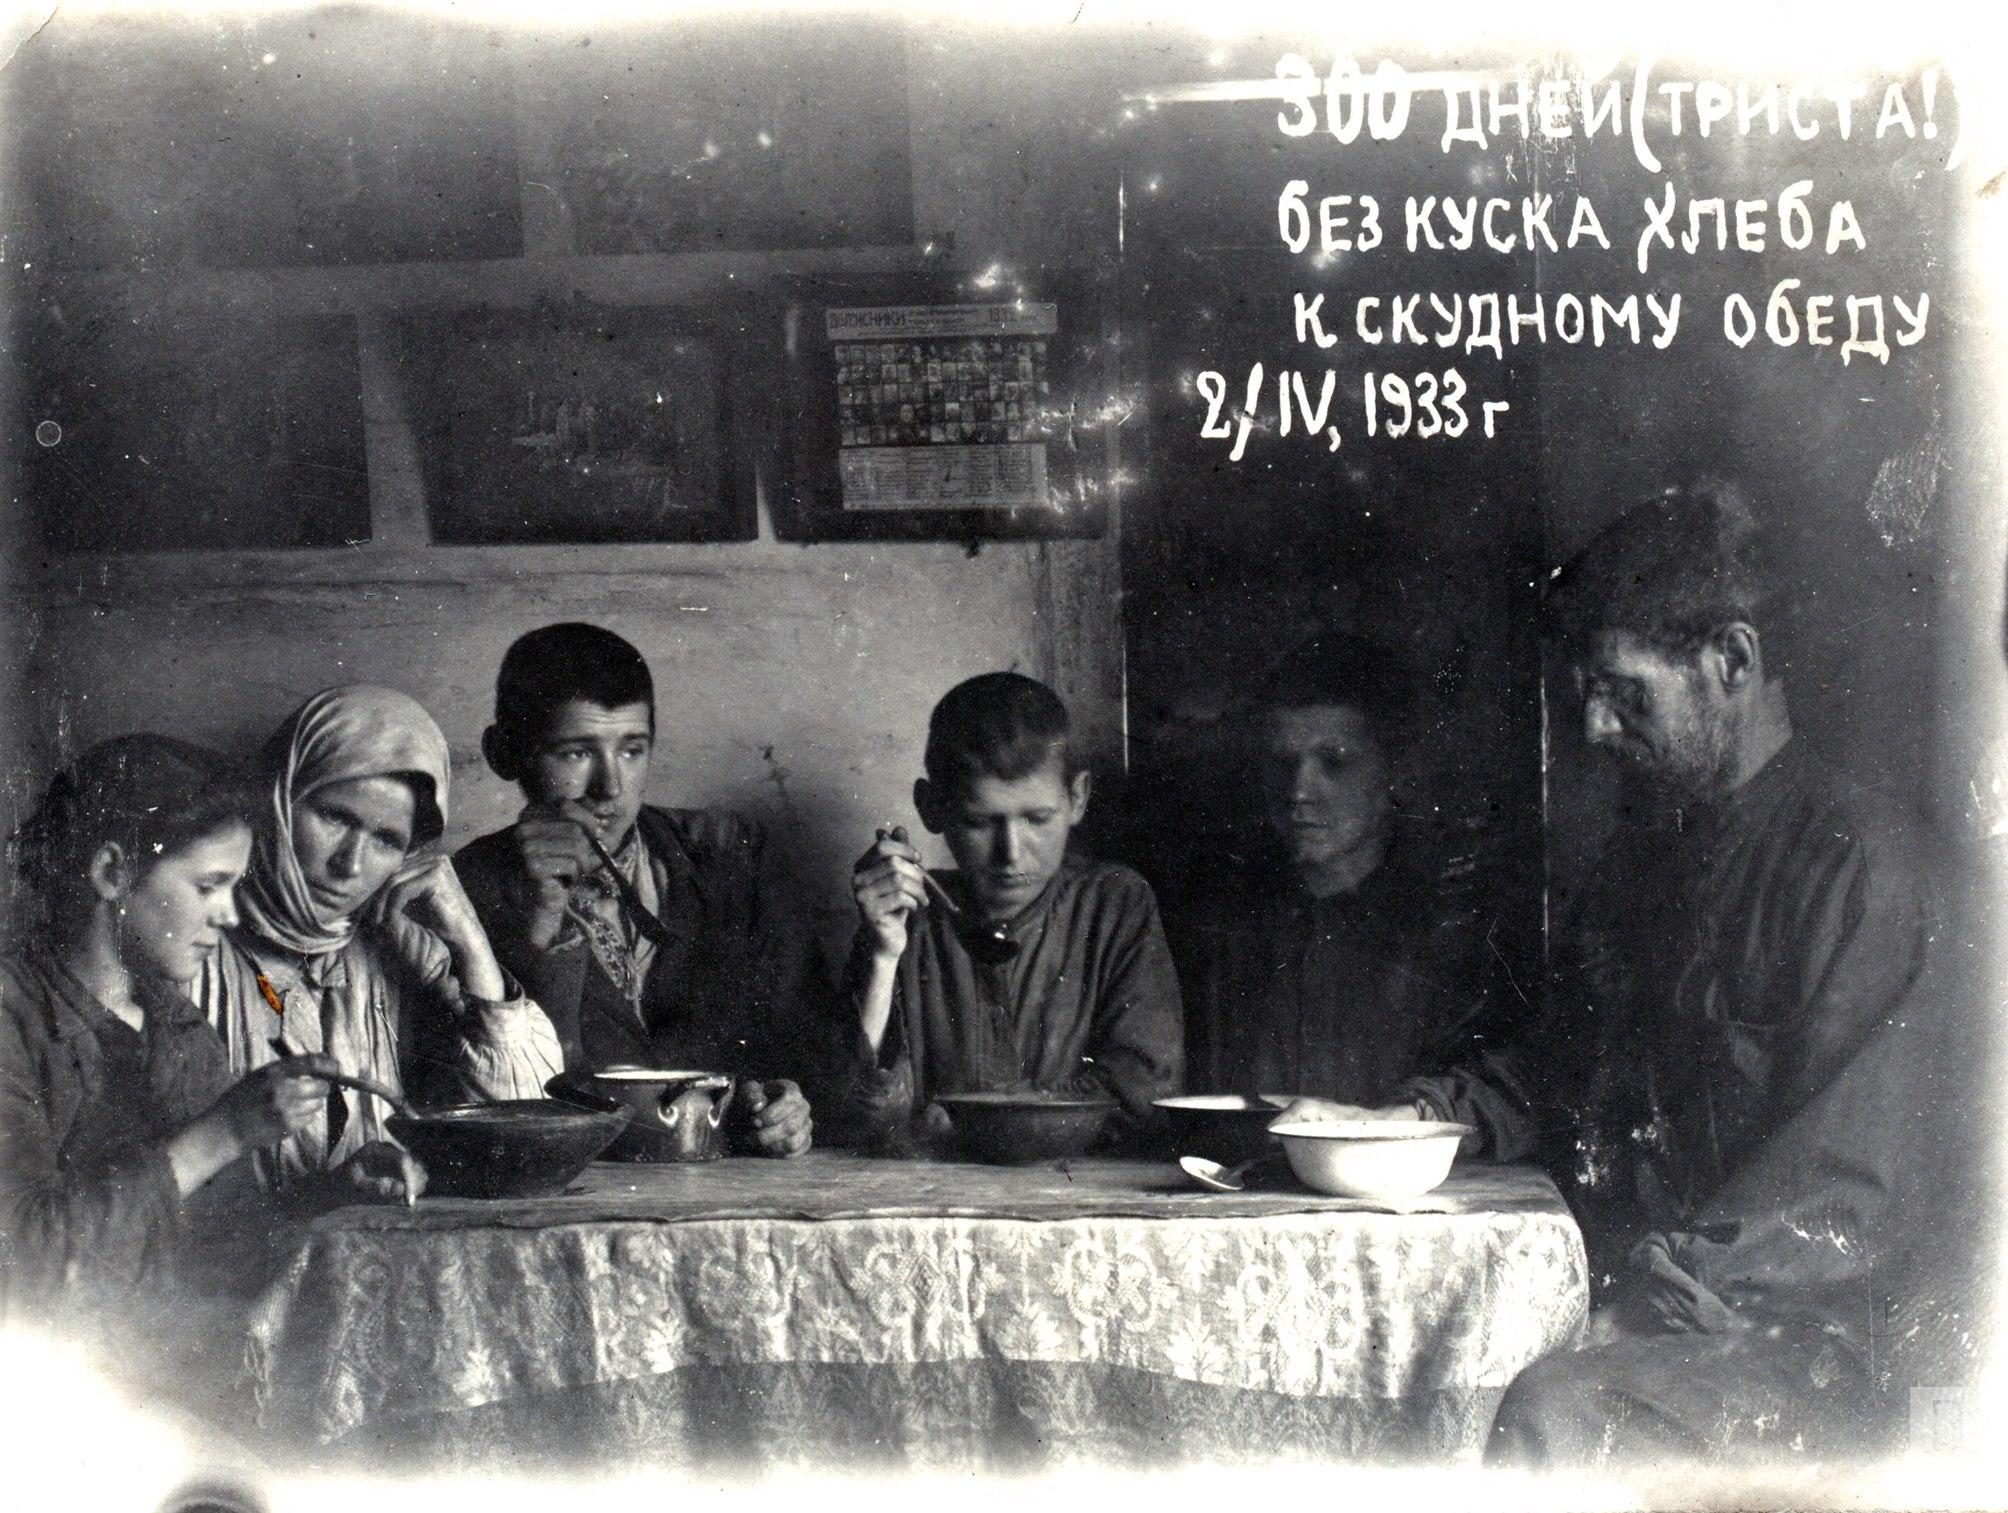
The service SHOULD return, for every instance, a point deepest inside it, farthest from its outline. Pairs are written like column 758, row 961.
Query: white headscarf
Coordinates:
column 340, row 734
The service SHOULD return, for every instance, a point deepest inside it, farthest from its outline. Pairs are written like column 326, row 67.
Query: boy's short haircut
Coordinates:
column 1000, row 725
column 558, row 663
column 1342, row 671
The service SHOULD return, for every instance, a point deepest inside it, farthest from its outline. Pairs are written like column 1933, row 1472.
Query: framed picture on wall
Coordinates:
column 929, row 408
column 221, row 424
column 578, row 423
column 150, row 145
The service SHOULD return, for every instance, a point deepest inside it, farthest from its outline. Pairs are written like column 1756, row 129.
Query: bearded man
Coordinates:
column 1744, row 1052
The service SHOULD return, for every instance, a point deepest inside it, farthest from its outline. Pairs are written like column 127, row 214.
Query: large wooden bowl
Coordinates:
column 1019, row 1127
column 529, row 1148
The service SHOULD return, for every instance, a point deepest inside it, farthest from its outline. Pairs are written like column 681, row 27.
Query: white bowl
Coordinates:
column 1372, row 1158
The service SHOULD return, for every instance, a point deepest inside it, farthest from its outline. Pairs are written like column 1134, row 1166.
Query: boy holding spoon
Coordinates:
column 1027, row 967
column 646, row 932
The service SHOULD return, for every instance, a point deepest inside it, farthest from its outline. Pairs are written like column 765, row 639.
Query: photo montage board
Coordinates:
column 924, row 409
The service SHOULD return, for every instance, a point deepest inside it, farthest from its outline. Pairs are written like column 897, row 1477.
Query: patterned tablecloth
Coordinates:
column 882, row 1313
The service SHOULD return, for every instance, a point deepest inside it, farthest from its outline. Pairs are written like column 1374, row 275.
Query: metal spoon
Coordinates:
column 934, row 888
column 644, row 918
column 374, row 1088
column 1221, row 1179
column 369, row 1085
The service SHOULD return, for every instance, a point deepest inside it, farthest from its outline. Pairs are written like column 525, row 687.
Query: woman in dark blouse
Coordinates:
column 116, row 1103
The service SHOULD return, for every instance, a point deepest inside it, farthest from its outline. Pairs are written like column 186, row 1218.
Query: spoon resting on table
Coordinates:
column 1218, row 1178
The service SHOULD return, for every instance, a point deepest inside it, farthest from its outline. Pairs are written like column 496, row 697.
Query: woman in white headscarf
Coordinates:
column 357, row 942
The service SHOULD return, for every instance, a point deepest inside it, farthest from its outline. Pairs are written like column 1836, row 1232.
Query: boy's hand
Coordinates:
column 888, row 885
column 777, row 1117
column 554, row 852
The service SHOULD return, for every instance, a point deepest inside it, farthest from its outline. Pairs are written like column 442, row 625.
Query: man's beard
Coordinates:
column 1693, row 770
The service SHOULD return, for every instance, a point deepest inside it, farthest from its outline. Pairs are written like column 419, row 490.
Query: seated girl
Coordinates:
column 116, row 1098
column 357, row 944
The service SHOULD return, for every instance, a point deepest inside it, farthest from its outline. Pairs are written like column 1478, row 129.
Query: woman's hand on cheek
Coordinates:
column 431, row 896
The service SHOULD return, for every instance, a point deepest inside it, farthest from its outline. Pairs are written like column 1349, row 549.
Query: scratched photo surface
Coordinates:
column 347, row 345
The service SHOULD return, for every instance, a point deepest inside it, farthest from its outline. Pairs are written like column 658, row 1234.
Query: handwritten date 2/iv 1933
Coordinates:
column 1293, row 403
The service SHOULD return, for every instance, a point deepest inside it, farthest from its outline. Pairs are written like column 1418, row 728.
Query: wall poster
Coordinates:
column 958, row 417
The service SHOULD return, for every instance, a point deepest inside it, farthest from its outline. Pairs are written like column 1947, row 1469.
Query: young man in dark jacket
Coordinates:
column 719, row 988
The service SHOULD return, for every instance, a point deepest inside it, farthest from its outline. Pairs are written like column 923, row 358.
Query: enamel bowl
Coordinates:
column 1372, row 1158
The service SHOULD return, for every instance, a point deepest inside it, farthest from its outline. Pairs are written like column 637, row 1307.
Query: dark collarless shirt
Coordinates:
column 1329, row 997
column 88, row 1204
column 1353, row 998
column 1753, row 996
column 1751, row 977
column 1082, row 998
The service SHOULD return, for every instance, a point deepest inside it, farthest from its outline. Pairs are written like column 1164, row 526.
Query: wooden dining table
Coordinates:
column 840, row 1310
